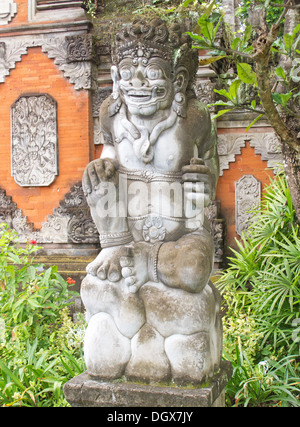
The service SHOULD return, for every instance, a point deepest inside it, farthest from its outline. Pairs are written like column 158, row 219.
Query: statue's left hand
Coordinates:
column 99, row 170
column 197, row 172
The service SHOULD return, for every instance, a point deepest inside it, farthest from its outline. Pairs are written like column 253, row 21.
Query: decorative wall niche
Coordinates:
column 34, row 147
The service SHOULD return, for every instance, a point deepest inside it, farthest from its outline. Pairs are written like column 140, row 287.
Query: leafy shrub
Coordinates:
column 40, row 347
column 261, row 289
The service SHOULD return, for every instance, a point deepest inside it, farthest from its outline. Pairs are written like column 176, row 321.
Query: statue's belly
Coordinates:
column 155, row 205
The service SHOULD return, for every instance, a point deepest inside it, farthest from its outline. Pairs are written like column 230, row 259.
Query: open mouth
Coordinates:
column 139, row 96
column 144, row 95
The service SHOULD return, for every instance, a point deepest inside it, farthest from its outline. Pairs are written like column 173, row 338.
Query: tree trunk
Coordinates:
column 288, row 137
column 292, row 172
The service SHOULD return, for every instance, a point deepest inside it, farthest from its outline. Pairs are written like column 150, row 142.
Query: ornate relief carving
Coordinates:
column 205, row 91
column 8, row 9
column 228, row 147
column 217, row 225
column 81, row 228
column 79, row 48
column 80, row 72
column 268, row 146
column 14, row 217
column 34, row 140
column 70, row 222
column 247, row 196
column 99, row 95
column 265, row 144
column 55, row 229
column 9, row 55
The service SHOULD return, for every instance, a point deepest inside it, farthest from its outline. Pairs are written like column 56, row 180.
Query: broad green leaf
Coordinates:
column 253, row 104
column 215, row 30
column 288, row 42
column 46, row 276
column 187, row 2
column 277, row 98
column 223, row 92
column 235, row 43
column 296, row 31
column 206, row 61
column 247, row 34
column 282, row 98
column 11, row 375
column 285, row 98
column 14, row 258
column 209, row 9
column 246, row 74
column 31, row 271
column 225, row 104
column 221, row 112
column 280, row 72
column 254, row 121
column 207, row 27
column 33, row 303
column 234, row 87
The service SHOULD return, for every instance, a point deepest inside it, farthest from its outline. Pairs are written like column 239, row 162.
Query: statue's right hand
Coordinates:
column 99, row 170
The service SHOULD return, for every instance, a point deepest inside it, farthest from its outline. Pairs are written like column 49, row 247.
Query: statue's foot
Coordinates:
column 107, row 264
column 134, row 263
column 129, row 262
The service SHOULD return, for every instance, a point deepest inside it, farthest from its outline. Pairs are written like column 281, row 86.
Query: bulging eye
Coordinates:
column 154, row 73
column 126, row 73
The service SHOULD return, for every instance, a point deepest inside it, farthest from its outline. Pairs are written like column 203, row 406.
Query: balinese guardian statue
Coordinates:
column 153, row 314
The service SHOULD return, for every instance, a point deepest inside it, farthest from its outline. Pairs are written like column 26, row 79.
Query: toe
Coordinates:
column 102, row 271
column 127, row 272
column 114, row 274
column 126, row 261
column 91, row 268
column 129, row 281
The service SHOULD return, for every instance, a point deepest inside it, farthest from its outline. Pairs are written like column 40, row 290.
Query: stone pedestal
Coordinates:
column 83, row 391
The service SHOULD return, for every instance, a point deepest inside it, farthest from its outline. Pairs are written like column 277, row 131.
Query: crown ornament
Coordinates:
column 148, row 39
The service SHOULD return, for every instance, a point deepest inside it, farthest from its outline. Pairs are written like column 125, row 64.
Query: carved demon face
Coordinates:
column 145, row 86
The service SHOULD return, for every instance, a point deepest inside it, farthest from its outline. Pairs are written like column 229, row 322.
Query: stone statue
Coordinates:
column 153, row 314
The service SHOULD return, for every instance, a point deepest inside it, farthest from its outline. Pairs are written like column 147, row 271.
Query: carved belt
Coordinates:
column 150, row 174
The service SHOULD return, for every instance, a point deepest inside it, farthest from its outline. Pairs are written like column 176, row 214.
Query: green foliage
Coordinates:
column 261, row 290
column 240, row 51
column 273, row 13
column 40, row 347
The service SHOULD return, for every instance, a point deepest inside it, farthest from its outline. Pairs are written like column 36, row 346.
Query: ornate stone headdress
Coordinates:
column 155, row 39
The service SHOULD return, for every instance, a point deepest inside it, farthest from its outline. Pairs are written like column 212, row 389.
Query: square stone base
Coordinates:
column 83, row 391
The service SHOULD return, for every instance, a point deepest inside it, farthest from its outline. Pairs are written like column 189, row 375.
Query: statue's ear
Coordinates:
column 181, row 79
column 115, row 78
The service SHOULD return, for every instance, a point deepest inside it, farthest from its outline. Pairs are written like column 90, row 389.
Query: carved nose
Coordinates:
column 139, row 80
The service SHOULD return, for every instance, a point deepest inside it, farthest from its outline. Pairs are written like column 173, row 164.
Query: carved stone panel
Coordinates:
column 247, row 197
column 266, row 144
column 81, row 227
column 8, row 9
column 79, row 48
column 34, row 160
column 217, row 225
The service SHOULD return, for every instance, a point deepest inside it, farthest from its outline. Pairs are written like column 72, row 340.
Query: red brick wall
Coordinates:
column 247, row 163
column 36, row 73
